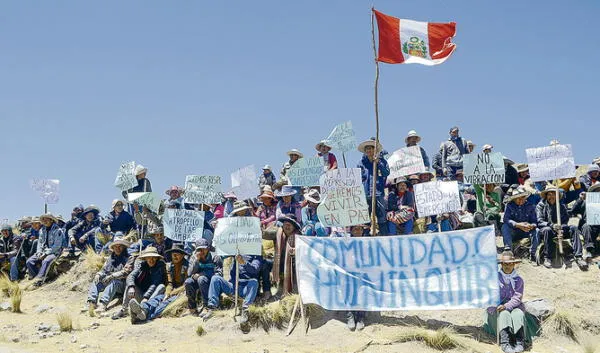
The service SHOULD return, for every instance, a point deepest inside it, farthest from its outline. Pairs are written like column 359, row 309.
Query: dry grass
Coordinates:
column 65, row 321
column 278, row 314
column 560, row 323
column 200, row 331
column 5, row 284
column 13, row 291
column 176, row 308
column 442, row 339
column 92, row 262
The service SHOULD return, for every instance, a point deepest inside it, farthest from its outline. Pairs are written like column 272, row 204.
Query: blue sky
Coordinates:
column 198, row 87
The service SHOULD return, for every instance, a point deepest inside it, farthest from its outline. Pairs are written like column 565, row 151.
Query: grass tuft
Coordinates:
column 4, row 285
column 560, row 323
column 442, row 339
column 200, row 331
column 65, row 322
column 175, row 308
column 15, row 297
column 93, row 262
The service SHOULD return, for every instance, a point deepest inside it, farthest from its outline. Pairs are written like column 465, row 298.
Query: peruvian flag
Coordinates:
column 410, row 42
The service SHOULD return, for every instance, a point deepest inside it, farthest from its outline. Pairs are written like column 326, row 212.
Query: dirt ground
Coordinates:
column 569, row 289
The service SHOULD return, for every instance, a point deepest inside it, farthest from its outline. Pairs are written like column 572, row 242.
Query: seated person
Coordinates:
column 401, row 207
column 83, row 233
column 202, row 268
column 509, row 316
column 118, row 219
column 488, row 210
column 310, row 220
column 590, row 233
column 10, row 244
column 110, row 279
column 50, row 245
column 520, row 220
column 249, row 266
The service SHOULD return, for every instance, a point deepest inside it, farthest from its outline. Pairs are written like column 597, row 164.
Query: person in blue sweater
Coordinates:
column 118, row 219
column 520, row 220
column 369, row 158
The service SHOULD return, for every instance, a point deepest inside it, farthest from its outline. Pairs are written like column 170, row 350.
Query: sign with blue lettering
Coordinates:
column 183, row 225
column 453, row 270
column 342, row 137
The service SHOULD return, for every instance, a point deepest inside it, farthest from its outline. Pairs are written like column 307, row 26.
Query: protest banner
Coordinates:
column 126, row 179
column 244, row 183
column 306, row 171
column 49, row 189
column 344, row 201
column 453, row 270
column 235, row 235
column 437, row 197
column 592, row 208
column 342, row 137
column 203, row 189
column 148, row 199
column 551, row 162
column 183, row 225
column 406, row 161
column 483, row 168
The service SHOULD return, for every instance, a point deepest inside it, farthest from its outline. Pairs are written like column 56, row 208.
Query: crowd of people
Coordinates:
column 148, row 271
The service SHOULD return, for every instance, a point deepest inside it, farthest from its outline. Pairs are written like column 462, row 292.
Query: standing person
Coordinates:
column 452, row 153
column 225, row 208
column 175, row 194
column 488, row 208
column 10, row 244
column 50, row 245
column 371, row 155
column 520, row 220
column 401, row 207
column 294, row 155
column 118, row 219
column 324, row 151
column 202, row 268
column 509, row 316
column 355, row 320
column 284, row 269
column 267, row 177
column 83, row 233
column 413, row 139
column 143, row 184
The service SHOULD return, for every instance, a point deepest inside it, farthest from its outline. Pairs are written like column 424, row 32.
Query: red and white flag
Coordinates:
column 410, row 42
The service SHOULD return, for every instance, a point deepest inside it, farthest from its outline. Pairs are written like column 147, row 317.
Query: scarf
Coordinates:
column 510, row 278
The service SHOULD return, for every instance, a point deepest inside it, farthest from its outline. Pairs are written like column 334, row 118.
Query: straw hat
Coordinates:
column 230, row 195
column 412, row 133
column 369, row 142
column 267, row 167
column 595, row 187
column 286, row 190
column 516, row 193
column 155, row 229
column 507, row 257
column 593, row 168
column 239, row 206
column 487, row 146
column 178, row 248
column 46, row 215
column 290, row 219
column 150, row 251
column 550, row 188
column 140, row 169
column 119, row 241
column 296, row 152
column 35, row 219
column 91, row 208
column 174, row 188
column 522, row 167
column 267, row 192
column 321, row 144
column 115, row 202
column 313, row 196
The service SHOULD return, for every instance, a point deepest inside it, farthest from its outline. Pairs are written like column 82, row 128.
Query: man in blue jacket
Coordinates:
column 370, row 157
column 249, row 267
column 520, row 220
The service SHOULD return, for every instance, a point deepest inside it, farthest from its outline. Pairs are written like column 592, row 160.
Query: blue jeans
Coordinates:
column 265, row 274
column 445, row 225
column 109, row 292
column 510, row 235
column 13, row 265
column 401, row 229
column 315, row 229
column 247, row 289
column 192, row 287
column 156, row 305
column 32, row 263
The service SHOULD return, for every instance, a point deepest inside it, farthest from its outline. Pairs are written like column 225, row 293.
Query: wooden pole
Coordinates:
column 344, row 158
column 237, row 282
column 439, row 222
column 559, row 233
column 376, row 156
column 45, row 207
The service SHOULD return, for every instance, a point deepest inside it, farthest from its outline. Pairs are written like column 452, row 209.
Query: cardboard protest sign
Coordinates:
column 342, row 137
column 592, row 208
column 183, row 225
column 49, row 189
column 344, row 201
column 406, row 161
column 551, row 162
column 483, row 168
column 244, row 183
column 126, row 179
column 203, row 189
column 306, row 171
column 453, row 270
column 437, row 197
column 148, row 199
column 235, row 235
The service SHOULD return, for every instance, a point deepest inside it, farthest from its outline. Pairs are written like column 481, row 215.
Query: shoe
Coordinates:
column 505, row 342
column 583, row 265
column 519, row 342
column 547, row 263
column 136, row 310
column 360, row 325
column 588, row 255
column 38, row 283
column 244, row 316
column 207, row 314
column 119, row 314
column 351, row 324
column 267, row 295
column 102, row 308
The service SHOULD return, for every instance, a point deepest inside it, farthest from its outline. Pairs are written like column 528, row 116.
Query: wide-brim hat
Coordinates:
column 595, row 187
column 313, row 196
column 593, row 168
column 428, row 171
column 140, row 169
column 60, row 218
column 115, row 202
column 286, row 190
column 507, row 257
column 596, row 160
column 119, row 241
column 239, row 206
column 550, row 188
column 230, row 195
column 414, row 177
column 49, row 216
column 150, row 252
column 174, row 188
column 399, row 180
column 288, row 218
column 369, row 142
column 203, row 244
column 522, row 167
column 178, row 248
column 267, row 167
column 35, row 220
column 296, row 152
column 156, row 230
column 321, row 144
column 517, row 193
column 487, row 146
column 267, row 192
column 91, row 208
column 507, row 161
column 412, row 133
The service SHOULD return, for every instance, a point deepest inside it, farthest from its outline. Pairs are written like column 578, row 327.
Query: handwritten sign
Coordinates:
column 551, row 162
column 592, row 208
column 49, row 189
column 126, row 177
column 244, row 183
column 342, row 137
column 306, row 171
column 453, row 270
column 406, row 161
column 484, row 168
column 437, row 197
column 235, row 235
column 183, row 225
column 148, row 199
column 344, row 200
column 203, row 189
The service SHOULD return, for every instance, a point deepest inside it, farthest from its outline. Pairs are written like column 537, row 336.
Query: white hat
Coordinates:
column 266, row 167
column 412, row 133
column 140, row 169
column 369, row 142
column 296, row 152
column 322, row 143
column 313, row 195
column 487, row 146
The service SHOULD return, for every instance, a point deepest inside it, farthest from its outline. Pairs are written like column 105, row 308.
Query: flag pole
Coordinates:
column 375, row 159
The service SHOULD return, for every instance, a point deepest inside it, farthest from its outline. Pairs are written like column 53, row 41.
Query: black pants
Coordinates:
column 548, row 234
column 590, row 233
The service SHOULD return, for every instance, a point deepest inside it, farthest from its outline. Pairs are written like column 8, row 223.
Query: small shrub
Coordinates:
column 93, row 262
column 200, row 331
column 15, row 297
column 65, row 322
column 560, row 323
